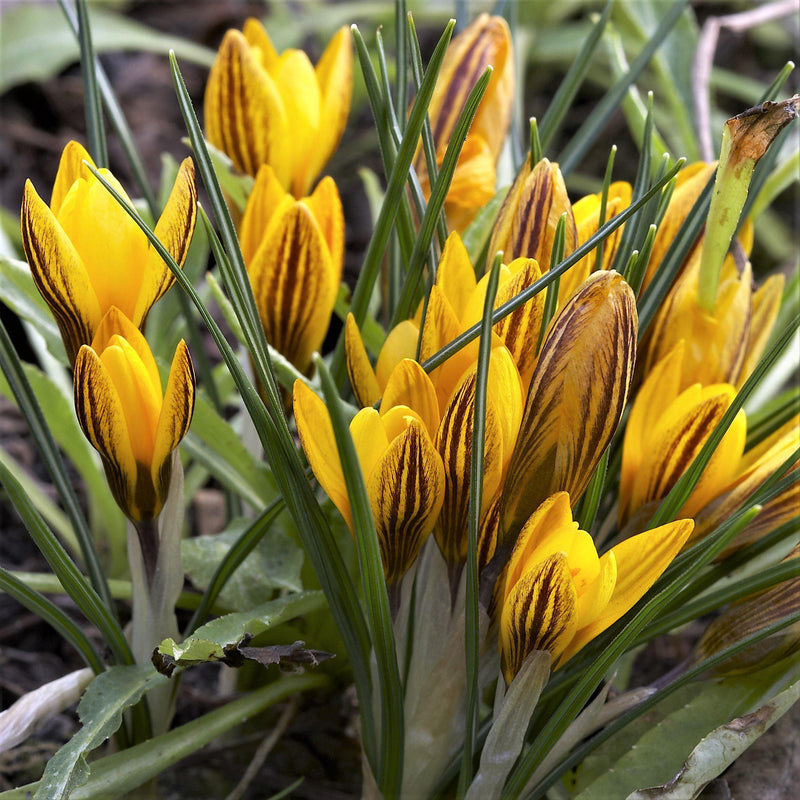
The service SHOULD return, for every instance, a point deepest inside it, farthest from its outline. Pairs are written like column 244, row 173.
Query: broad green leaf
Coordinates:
column 20, row 294
column 100, row 712
column 650, row 751
column 275, row 564
column 721, row 748
column 40, row 29
column 208, row 642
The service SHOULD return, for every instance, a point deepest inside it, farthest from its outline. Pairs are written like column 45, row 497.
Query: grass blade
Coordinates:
column 95, row 127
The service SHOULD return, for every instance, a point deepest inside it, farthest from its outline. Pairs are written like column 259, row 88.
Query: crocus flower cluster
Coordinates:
column 100, row 277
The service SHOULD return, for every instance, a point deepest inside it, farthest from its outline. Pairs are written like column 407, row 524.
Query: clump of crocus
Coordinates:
column 485, row 42
column 266, row 108
column 293, row 251
column 559, row 594
column 403, row 472
column 86, row 254
column 128, row 417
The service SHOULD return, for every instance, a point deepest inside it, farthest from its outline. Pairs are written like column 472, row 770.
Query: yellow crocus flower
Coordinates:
column 485, row 42
column 667, row 427
column 129, row 420
column 402, row 471
column 526, row 224
column 86, row 254
column 293, row 251
column 265, row 108
column 559, row 594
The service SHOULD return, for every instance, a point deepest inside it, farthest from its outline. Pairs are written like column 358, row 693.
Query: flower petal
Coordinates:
column 362, row 376
column 575, row 400
column 59, row 273
column 400, row 343
column 174, row 229
column 326, row 207
column 176, row 416
column 766, row 303
column 455, row 275
column 263, row 204
column 409, row 385
column 406, row 491
column 640, row 562
column 101, row 416
column 539, row 613
column 319, row 444
column 70, row 169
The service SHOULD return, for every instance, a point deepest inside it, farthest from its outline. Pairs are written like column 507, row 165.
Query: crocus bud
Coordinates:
column 486, row 42
column 526, row 224
column 87, row 255
column 129, row 420
column 559, row 594
column 402, row 470
column 293, row 251
column 265, row 108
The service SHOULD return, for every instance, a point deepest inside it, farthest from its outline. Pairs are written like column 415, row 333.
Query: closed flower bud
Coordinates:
column 402, row 471
column 486, row 42
column 265, row 108
column 129, row 420
column 293, row 251
column 559, row 594
column 86, row 254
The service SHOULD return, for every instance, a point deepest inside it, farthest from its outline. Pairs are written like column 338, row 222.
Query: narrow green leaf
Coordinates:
column 95, row 126
column 536, row 145
column 390, row 767
column 471, row 619
column 53, row 616
column 551, row 298
column 601, row 220
column 593, row 494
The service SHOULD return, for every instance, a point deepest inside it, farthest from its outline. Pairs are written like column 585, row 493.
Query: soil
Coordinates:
column 321, row 743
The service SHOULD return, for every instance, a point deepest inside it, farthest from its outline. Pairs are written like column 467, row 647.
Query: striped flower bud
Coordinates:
column 293, row 251
column 87, row 255
column 265, row 108
column 129, row 420
column 559, row 594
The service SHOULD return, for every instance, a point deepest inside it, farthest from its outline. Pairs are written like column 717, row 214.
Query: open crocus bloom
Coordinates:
column 666, row 429
column 265, row 108
column 293, row 250
column 485, row 42
column 126, row 416
column 559, row 594
column 86, row 254
column 402, row 470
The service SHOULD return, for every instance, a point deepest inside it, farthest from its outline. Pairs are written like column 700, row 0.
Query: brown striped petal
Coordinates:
column 406, row 490
column 528, row 219
column 245, row 115
column 539, row 613
column 102, row 418
column 59, row 273
column 174, row 229
column 175, row 418
column 264, row 202
column 766, row 303
column 326, row 206
column 291, row 278
column 362, row 376
column 575, row 400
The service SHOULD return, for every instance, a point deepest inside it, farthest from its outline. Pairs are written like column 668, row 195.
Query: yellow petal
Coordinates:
column 596, row 596
column 176, row 416
column 70, row 170
column 326, row 207
column 539, row 613
column 766, row 303
column 406, row 491
column 335, row 78
column 640, row 561
column 257, row 37
column 174, row 229
column 319, row 444
column 400, row 343
column 291, row 278
column 473, row 184
column 370, row 439
column 575, row 400
column 59, row 273
column 455, row 275
column 409, row 385
column 362, row 376
column 100, row 413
